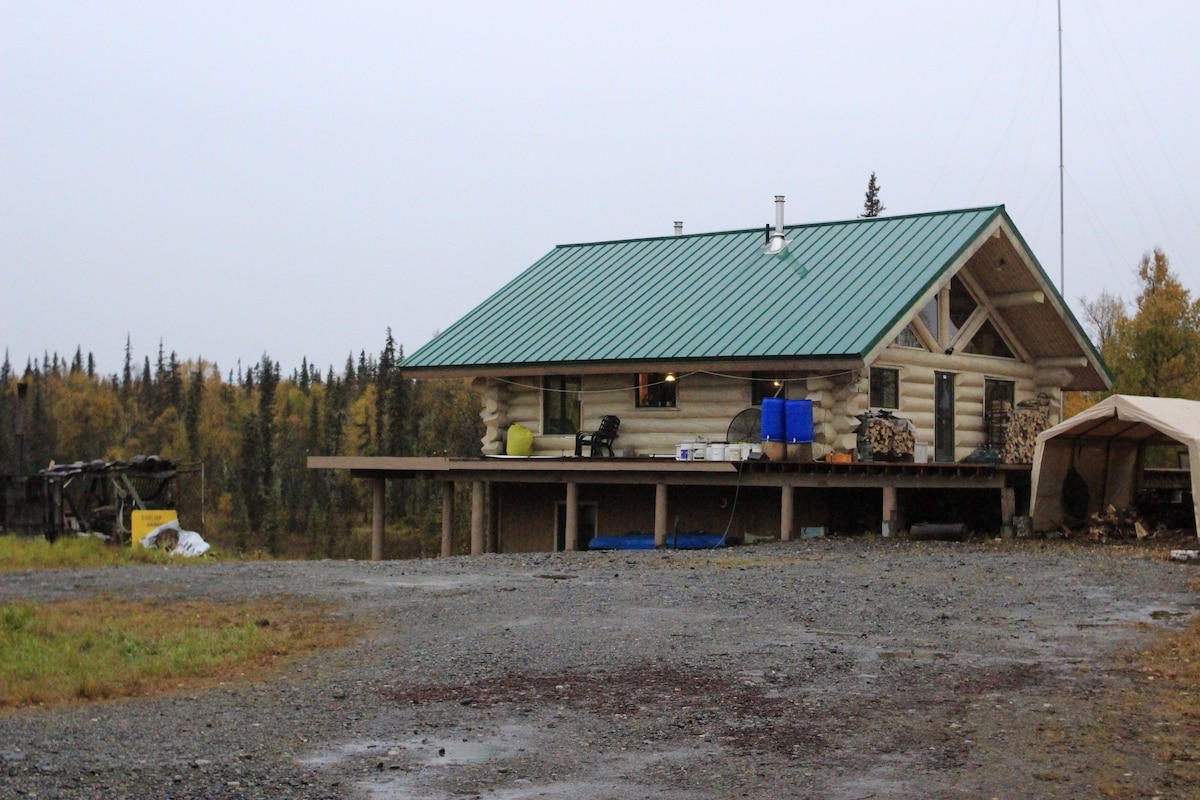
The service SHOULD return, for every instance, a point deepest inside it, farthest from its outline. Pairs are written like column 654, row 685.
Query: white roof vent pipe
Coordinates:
column 679, row 227
column 777, row 241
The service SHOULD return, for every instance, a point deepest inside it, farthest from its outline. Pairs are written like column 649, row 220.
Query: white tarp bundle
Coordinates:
column 189, row 543
column 1105, row 445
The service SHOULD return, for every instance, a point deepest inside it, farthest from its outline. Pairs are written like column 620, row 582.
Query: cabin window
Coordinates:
column 956, row 302
column 560, row 404
column 908, row 338
column 885, row 387
column 766, row 384
column 929, row 315
column 655, row 390
column 962, row 306
column 987, row 341
column 998, row 398
column 944, row 444
column 998, row 395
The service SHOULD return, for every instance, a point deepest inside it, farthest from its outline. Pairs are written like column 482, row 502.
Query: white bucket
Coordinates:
column 697, row 452
column 749, row 450
column 683, row 451
column 716, row 452
column 733, row 452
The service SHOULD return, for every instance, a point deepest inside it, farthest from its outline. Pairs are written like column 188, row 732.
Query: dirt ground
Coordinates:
column 835, row 668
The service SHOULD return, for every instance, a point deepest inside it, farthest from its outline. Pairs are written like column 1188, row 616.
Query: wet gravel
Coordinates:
column 835, row 668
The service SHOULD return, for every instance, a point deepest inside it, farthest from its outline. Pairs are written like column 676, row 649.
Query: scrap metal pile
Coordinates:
column 96, row 497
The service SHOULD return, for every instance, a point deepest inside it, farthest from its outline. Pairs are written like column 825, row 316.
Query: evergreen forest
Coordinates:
column 242, row 440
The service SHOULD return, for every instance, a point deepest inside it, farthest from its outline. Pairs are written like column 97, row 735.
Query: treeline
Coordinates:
column 252, row 430
column 1152, row 344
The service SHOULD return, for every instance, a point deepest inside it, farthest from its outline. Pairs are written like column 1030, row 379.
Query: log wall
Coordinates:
column 707, row 403
column 917, row 375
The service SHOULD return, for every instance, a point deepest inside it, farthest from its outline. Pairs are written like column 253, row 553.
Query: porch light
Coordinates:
column 670, row 377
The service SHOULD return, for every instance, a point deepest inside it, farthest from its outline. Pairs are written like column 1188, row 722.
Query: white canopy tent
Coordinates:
column 1106, row 446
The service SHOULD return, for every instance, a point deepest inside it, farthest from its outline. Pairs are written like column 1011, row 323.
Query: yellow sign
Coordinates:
column 145, row 521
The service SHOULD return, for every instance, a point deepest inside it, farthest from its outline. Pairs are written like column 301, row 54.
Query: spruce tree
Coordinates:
column 173, row 388
column 191, row 409
column 383, row 389
column 872, row 206
column 127, row 372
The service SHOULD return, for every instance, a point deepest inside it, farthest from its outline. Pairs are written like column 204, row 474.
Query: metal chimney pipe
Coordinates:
column 679, row 227
column 777, row 239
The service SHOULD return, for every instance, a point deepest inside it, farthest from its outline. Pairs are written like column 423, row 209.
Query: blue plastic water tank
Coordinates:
column 773, row 419
column 799, row 421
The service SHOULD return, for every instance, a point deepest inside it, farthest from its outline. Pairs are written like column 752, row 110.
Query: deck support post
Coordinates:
column 477, row 518
column 890, row 511
column 447, row 516
column 572, row 522
column 660, row 515
column 377, row 511
column 1008, row 509
column 787, row 512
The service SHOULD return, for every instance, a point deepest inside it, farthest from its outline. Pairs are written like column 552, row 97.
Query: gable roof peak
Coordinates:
column 793, row 227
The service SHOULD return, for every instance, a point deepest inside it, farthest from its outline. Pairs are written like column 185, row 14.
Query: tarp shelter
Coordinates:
column 1106, row 447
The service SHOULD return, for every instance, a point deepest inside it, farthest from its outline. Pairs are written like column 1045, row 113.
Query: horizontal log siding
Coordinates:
column 705, row 404
column 917, row 369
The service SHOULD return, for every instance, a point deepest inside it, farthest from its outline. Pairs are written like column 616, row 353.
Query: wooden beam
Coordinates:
column 572, row 537
column 787, row 512
column 889, row 511
column 447, row 516
column 1010, row 299
column 1008, row 509
column 660, row 515
column 377, row 511
column 1061, row 361
column 477, row 520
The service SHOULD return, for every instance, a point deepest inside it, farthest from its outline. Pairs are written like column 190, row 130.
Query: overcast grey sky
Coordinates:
column 235, row 178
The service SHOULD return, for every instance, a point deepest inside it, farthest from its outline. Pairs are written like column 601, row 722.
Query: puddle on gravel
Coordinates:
column 610, row 777
column 427, row 751
column 431, row 583
column 576, row 790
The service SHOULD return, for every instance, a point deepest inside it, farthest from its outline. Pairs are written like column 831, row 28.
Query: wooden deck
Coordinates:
column 663, row 473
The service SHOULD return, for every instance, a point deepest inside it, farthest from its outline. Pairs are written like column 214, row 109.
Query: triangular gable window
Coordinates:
column 908, row 338
column 962, row 305
column 987, row 341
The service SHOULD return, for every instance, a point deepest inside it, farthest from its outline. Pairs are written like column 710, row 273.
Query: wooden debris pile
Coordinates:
column 1115, row 523
column 884, row 437
column 1025, row 422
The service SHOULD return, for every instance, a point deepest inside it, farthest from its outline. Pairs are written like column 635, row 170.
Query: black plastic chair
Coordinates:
column 598, row 440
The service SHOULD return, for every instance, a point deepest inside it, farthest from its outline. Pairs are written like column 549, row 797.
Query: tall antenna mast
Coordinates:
column 1062, row 261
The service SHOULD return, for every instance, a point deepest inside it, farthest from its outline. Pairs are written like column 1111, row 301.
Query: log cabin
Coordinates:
column 935, row 318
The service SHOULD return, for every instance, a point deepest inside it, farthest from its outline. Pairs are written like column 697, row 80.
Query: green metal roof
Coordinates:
column 834, row 291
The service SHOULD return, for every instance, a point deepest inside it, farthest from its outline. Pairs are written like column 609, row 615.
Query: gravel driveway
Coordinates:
column 836, row 668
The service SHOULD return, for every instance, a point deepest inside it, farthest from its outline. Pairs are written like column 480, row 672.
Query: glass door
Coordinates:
column 943, row 417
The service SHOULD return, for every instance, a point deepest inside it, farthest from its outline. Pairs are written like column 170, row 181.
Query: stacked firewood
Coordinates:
column 883, row 437
column 1027, row 420
column 1115, row 523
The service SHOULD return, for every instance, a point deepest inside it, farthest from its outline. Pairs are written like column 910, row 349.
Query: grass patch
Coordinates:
column 1171, row 695
column 74, row 552
column 82, row 650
